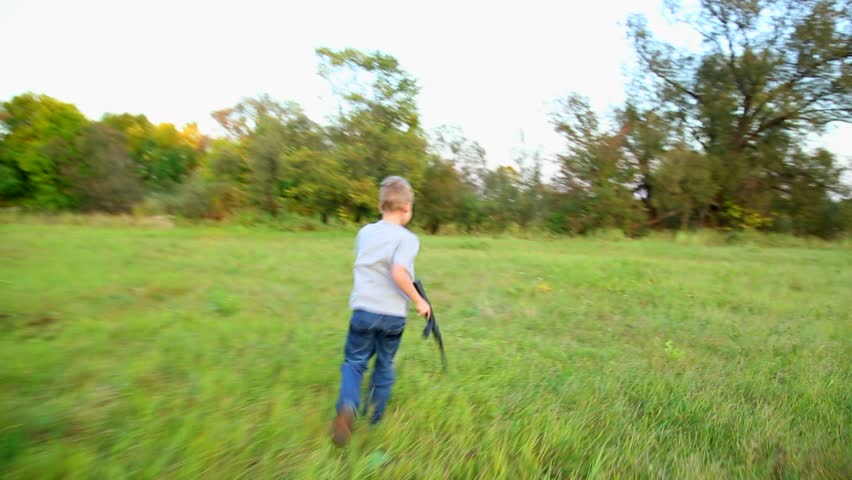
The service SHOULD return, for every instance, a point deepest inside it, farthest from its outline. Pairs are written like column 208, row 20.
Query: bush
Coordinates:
column 285, row 221
column 199, row 198
column 196, row 199
column 608, row 235
column 154, row 204
column 103, row 177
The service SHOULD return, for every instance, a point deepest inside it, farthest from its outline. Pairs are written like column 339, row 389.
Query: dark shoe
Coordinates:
column 342, row 427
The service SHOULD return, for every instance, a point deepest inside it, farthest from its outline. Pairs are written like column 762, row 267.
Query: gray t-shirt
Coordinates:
column 377, row 247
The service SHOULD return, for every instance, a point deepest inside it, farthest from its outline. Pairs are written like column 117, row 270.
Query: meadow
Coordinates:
column 205, row 352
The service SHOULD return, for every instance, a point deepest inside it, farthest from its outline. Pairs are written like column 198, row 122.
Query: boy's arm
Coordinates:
column 402, row 279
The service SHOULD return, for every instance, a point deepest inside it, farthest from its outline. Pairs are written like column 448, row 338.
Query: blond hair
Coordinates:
column 395, row 193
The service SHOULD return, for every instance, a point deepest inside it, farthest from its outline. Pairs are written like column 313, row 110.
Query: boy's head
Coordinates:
column 396, row 197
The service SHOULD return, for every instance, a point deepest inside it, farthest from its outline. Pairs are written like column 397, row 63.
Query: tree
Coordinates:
column 501, row 197
column 646, row 136
column 468, row 159
column 684, row 186
column 104, row 176
column 770, row 73
column 241, row 121
column 440, row 197
column 125, row 122
column 808, row 192
column 266, row 162
column 378, row 131
column 173, row 155
column 224, row 178
column 40, row 134
column 165, row 156
column 225, row 162
column 467, row 156
column 594, row 174
column 317, row 183
column 531, row 207
column 271, row 133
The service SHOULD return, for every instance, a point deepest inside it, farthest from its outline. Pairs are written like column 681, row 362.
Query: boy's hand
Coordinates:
column 423, row 308
column 403, row 281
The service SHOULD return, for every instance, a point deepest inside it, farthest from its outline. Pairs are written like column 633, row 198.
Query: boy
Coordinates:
column 384, row 272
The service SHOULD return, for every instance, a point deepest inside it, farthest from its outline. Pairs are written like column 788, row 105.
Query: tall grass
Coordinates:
column 214, row 353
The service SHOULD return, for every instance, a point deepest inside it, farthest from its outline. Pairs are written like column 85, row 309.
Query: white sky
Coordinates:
column 492, row 68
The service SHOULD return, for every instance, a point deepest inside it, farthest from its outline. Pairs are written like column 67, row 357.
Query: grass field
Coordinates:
column 215, row 353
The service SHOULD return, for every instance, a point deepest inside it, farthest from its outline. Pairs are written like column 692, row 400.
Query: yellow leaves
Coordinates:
column 507, row 171
column 746, row 218
column 191, row 136
column 363, row 193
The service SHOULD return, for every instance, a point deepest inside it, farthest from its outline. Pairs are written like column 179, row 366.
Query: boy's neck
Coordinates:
column 392, row 217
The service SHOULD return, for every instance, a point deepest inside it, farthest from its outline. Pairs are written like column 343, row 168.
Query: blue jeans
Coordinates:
column 369, row 334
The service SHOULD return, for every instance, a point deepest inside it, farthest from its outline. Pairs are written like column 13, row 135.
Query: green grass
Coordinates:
column 214, row 353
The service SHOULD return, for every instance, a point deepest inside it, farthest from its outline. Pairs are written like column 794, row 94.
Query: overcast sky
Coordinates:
column 491, row 68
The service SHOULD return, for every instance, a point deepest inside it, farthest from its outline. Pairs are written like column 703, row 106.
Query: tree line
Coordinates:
column 714, row 138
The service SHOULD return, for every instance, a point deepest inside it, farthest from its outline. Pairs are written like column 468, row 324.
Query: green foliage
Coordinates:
column 173, row 155
column 224, row 179
column 271, row 134
column 713, row 137
column 199, row 198
column 769, row 74
column 596, row 177
column 266, row 163
column 41, row 135
column 225, row 162
column 317, row 182
column 709, row 138
column 500, row 197
column 810, row 201
column 532, row 191
column 683, row 186
column 470, row 216
column 241, row 120
column 12, row 182
column 468, row 160
column 378, row 132
column 165, row 155
column 103, row 177
column 440, row 197
column 743, row 218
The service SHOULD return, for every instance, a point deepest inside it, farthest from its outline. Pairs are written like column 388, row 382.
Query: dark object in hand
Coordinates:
column 431, row 323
